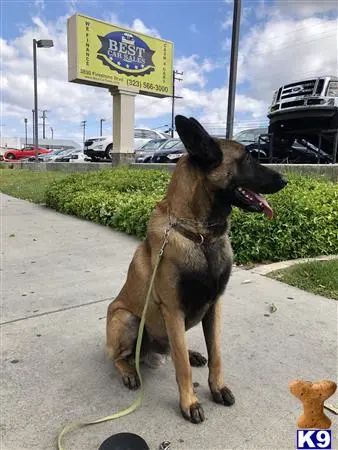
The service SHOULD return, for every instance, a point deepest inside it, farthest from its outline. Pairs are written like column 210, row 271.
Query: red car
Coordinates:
column 24, row 153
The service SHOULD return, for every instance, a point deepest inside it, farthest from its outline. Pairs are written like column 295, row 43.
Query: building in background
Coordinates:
column 19, row 143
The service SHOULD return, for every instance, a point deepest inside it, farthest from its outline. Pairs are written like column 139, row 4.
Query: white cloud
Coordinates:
column 195, row 70
column 137, row 25
column 69, row 103
column 140, row 27
column 6, row 51
column 193, row 28
column 217, row 102
column 226, row 45
column 271, row 53
column 282, row 50
column 227, row 23
column 39, row 4
column 304, row 8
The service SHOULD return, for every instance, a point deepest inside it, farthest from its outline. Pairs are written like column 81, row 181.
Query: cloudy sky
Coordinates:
column 281, row 41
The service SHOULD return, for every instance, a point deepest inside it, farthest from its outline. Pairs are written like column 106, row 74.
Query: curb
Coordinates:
column 263, row 270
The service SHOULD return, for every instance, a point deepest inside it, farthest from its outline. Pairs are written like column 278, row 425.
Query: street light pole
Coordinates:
column 25, row 120
column 52, row 131
column 44, row 117
column 43, row 43
column 233, row 68
column 83, row 125
column 101, row 120
column 35, row 127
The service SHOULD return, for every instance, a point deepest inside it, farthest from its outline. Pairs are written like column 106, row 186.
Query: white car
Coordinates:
column 102, row 147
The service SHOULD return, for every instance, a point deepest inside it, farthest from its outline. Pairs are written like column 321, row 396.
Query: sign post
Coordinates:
column 125, row 62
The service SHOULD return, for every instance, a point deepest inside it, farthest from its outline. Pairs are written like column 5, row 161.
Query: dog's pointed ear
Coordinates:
column 202, row 148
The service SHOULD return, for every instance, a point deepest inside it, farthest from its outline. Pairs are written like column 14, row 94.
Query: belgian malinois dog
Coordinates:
column 214, row 176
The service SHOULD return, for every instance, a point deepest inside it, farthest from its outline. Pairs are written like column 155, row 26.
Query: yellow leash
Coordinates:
column 136, row 403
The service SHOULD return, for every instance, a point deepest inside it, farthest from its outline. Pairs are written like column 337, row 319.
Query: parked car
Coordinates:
column 144, row 135
column 46, row 156
column 295, row 152
column 102, row 147
column 73, row 156
column 15, row 154
column 169, row 152
column 146, row 151
column 250, row 138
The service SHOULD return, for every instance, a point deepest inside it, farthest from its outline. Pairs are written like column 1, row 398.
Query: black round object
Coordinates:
column 124, row 441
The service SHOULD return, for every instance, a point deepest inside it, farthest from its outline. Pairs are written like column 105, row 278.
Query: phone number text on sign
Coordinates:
column 148, row 86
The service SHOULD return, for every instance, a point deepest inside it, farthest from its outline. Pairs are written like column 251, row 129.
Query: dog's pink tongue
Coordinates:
column 268, row 211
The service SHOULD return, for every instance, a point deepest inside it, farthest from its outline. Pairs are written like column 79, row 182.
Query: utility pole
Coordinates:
column 41, row 43
column 175, row 72
column 33, row 125
column 233, row 68
column 101, row 121
column 25, row 120
column 83, row 125
column 44, row 117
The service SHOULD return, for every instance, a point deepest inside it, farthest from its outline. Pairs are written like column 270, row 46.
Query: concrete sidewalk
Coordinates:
column 59, row 275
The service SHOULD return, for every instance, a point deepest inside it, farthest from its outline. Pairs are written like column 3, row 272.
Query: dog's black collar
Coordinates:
column 195, row 237
column 198, row 238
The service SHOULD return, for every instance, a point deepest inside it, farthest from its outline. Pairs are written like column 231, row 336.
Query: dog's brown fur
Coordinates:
column 191, row 277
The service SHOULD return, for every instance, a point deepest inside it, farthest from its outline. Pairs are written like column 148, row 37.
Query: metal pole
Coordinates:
column 83, row 124
column 33, row 126
column 52, row 130
column 173, row 108
column 44, row 123
column 175, row 72
column 25, row 120
column 101, row 122
column 233, row 68
column 36, row 128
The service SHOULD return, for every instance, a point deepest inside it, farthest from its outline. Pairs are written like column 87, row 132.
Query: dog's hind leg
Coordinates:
column 122, row 327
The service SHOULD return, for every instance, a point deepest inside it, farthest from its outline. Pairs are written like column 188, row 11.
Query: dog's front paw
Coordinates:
column 196, row 359
column 194, row 413
column 223, row 396
column 131, row 380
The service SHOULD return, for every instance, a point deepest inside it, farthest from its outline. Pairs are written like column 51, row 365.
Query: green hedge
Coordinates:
column 305, row 222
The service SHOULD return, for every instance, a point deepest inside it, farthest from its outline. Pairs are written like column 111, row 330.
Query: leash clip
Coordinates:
column 166, row 445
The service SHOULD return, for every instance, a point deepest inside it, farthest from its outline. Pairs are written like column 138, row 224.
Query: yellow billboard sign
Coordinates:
column 106, row 55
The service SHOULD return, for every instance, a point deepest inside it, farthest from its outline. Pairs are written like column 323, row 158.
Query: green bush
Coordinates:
column 305, row 222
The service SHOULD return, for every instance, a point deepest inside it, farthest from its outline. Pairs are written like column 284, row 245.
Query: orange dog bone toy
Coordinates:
column 313, row 396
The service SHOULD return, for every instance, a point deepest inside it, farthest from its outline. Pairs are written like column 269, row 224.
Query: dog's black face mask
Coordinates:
column 228, row 168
